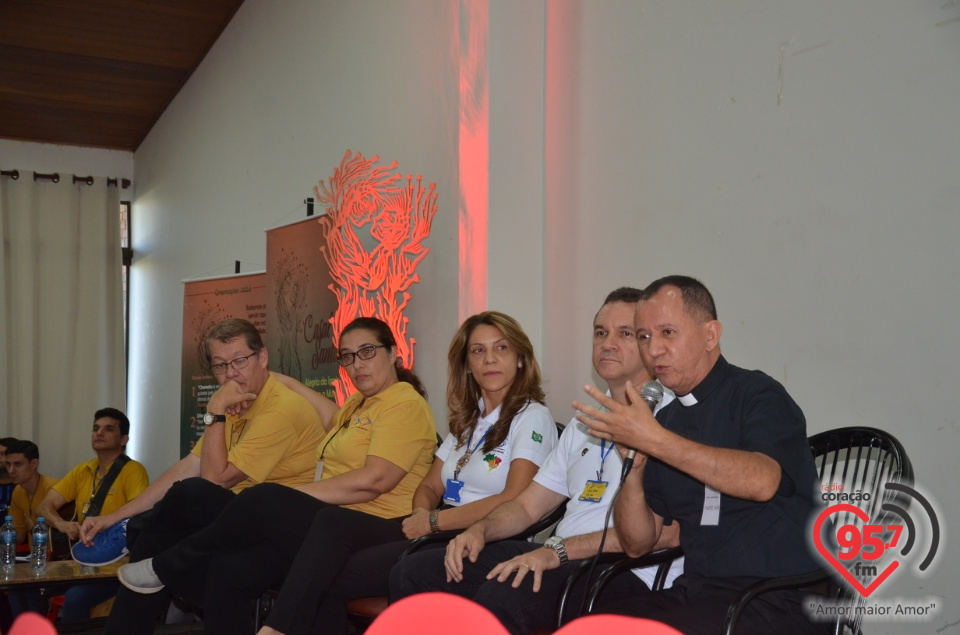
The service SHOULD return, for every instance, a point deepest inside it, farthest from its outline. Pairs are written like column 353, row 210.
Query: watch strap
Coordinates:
column 216, row 419
column 556, row 543
column 434, row 524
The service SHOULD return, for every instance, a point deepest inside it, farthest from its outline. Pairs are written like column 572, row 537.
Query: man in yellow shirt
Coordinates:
column 257, row 430
column 6, row 483
column 124, row 480
column 111, row 430
column 23, row 465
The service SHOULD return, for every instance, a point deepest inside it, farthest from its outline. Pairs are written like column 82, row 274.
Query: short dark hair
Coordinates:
column 230, row 329
column 113, row 413
column 624, row 294
column 697, row 301
column 28, row 449
column 6, row 441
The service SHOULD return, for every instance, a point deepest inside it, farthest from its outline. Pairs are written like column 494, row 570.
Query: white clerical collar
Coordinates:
column 688, row 399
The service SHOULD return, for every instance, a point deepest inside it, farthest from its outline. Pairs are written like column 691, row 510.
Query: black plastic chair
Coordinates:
column 618, row 563
column 858, row 459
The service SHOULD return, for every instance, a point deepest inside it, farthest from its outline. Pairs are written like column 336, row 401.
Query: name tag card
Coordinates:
column 711, row 506
column 593, row 491
column 452, row 493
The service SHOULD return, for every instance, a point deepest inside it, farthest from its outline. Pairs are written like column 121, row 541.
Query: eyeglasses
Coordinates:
column 367, row 352
column 238, row 364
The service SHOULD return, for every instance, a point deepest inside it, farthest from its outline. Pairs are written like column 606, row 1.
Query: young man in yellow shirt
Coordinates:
column 23, row 465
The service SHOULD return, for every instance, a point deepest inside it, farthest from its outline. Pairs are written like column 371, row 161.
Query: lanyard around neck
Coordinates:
column 466, row 456
column 343, row 426
column 604, row 453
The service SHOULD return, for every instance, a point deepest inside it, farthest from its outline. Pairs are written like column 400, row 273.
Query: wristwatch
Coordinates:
column 211, row 418
column 556, row 543
column 434, row 524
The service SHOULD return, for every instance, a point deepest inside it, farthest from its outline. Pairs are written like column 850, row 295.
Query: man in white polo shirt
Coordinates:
column 581, row 468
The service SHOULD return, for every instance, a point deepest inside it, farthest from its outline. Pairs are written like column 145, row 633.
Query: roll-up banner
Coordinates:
column 299, row 337
column 206, row 302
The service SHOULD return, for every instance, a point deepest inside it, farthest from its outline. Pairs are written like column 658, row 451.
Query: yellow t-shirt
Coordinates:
column 396, row 425
column 23, row 507
column 275, row 441
column 78, row 486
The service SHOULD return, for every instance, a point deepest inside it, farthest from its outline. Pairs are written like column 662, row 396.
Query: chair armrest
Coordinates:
column 662, row 559
column 580, row 570
column 446, row 536
column 543, row 523
column 765, row 586
column 429, row 539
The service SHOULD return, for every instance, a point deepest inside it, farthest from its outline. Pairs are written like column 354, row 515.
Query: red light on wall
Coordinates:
column 474, row 146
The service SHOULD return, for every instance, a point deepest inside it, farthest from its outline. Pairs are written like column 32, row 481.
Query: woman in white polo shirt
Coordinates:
column 500, row 434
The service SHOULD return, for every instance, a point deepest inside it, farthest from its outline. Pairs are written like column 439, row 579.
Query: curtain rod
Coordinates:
column 89, row 180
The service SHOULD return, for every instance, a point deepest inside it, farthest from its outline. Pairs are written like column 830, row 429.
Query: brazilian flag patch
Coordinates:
column 536, row 436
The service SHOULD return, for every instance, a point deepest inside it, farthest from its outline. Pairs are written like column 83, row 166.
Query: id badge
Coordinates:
column 593, row 491
column 319, row 472
column 452, row 493
column 711, row 506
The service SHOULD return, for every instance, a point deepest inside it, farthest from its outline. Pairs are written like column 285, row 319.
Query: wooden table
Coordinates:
column 58, row 576
column 64, row 572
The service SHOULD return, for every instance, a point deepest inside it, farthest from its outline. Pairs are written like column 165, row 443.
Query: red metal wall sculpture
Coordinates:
column 374, row 228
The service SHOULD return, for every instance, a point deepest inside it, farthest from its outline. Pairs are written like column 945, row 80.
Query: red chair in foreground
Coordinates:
column 442, row 613
column 32, row 624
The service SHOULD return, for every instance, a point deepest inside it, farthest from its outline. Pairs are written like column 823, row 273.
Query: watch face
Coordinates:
column 552, row 541
column 207, row 419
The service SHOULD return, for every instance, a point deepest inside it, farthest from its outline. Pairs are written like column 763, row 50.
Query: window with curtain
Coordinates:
column 126, row 252
column 62, row 353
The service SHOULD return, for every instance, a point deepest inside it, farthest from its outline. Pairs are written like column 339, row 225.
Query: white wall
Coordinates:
column 286, row 90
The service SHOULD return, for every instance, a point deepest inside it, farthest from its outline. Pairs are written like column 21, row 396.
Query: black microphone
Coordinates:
column 652, row 394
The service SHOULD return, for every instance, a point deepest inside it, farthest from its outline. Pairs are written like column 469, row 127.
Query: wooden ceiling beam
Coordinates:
column 99, row 72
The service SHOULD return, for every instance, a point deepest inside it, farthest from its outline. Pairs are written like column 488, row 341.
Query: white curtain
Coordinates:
column 61, row 313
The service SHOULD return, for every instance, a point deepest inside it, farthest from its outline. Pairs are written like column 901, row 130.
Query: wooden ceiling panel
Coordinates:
column 86, row 82
column 99, row 72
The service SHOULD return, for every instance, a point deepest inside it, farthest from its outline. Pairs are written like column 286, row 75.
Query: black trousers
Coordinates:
column 244, row 550
column 187, row 507
column 698, row 606
column 365, row 574
column 268, row 537
column 311, row 596
column 520, row 610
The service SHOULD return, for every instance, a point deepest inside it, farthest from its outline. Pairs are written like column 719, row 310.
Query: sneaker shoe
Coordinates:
column 108, row 546
column 139, row 577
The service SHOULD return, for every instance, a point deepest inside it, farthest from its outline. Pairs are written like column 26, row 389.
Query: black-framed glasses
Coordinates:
column 238, row 364
column 367, row 352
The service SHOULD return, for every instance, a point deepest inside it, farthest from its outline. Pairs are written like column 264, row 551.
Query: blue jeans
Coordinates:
column 80, row 599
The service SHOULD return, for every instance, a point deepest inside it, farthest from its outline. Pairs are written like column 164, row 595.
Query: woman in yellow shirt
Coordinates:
column 378, row 448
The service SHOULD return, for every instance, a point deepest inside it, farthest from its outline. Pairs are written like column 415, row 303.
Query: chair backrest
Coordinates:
column 855, row 461
column 854, row 464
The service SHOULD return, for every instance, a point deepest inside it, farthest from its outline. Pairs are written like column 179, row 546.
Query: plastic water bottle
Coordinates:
column 8, row 549
column 38, row 552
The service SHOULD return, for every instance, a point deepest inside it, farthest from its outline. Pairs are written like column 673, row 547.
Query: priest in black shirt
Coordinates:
column 728, row 460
